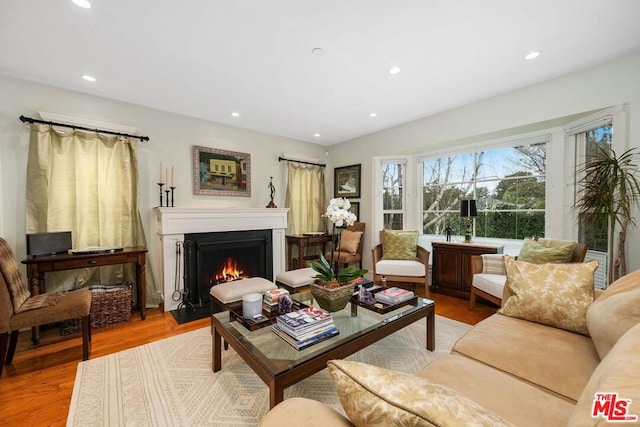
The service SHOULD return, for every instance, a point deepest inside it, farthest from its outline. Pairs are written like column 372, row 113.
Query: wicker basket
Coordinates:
column 110, row 305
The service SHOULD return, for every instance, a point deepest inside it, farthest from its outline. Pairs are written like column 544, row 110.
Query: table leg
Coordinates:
column 141, row 286
column 37, row 287
column 431, row 330
column 276, row 394
column 216, row 362
column 302, row 244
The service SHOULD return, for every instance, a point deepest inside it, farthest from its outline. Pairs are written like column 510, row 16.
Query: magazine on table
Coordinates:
column 302, row 344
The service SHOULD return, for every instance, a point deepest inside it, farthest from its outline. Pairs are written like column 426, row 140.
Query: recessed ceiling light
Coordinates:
column 317, row 51
column 373, row 115
column 532, row 55
column 235, row 114
column 317, row 135
column 88, row 78
column 394, row 70
column 82, row 3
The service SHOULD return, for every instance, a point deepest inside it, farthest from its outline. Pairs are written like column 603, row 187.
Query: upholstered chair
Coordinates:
column 350, row 250
column 20, row 310
column 490, row 277
column 404, row 261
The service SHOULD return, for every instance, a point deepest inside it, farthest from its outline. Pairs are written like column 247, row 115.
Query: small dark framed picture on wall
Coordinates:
column 346, row 181
column 355, row 209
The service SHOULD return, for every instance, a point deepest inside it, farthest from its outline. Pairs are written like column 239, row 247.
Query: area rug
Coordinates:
column 170, row 382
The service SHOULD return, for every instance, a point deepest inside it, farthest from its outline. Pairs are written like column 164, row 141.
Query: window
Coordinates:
column 393, row 197
column 594, row 233
column 508, row 183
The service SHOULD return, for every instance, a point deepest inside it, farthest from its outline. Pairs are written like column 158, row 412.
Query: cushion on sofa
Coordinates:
column 511, row 398
column 399, row 244
column 299, row 411
column 556, row 360
column 539, row 253
column 374, row 396
column 619, row 372
column 615, row 311
column 552, row 294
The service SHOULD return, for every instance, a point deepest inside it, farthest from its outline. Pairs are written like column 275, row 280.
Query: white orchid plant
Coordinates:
column 338, row 213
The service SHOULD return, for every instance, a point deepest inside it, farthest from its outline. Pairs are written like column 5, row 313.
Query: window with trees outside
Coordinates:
column 393, row 197
column 595, row 233
column 508, row 184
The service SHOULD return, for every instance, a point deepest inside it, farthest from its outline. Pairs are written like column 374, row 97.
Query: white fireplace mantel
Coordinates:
column 173, row 223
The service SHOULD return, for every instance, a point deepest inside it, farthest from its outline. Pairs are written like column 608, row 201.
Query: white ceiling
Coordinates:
column 207, row 58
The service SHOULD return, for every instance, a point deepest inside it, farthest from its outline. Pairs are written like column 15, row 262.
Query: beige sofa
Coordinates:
column 504, row 371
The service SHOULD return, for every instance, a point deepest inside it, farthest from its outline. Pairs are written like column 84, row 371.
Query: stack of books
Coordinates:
column 270, row 300
column 393, row 296
column 305, row 327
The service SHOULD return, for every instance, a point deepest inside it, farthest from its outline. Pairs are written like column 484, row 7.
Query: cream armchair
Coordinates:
column 414, row 270
column 489, row 275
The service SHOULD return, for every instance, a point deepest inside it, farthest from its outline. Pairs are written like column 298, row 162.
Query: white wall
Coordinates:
column 613, row 83
column 172, row 137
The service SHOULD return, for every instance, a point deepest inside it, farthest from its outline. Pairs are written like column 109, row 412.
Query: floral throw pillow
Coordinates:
column 556, row 295
column 377, row 397
column 399, row 244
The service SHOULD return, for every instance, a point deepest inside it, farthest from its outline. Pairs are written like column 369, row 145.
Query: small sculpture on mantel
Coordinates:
column 272, row 191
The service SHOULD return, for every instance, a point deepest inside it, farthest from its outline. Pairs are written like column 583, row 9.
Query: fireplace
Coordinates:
column 222, row 257
column 173, row 224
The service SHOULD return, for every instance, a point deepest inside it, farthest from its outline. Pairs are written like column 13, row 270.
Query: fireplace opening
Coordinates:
column 222, row 257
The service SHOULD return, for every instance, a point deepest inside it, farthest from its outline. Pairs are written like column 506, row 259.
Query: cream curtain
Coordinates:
column 86, row 183
column 305, row 198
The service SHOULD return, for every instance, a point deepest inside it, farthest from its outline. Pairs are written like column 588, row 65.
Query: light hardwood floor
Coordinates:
column 36, row 389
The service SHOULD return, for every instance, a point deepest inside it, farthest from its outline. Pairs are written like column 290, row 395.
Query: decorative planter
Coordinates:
column 332, row 299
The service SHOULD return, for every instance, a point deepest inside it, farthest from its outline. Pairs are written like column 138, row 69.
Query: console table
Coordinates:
column 38, row 265
column 451, row 266
column 302, row 241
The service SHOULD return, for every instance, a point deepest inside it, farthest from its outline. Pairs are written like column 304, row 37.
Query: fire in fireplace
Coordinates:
column 214, row 258
column 229, row 273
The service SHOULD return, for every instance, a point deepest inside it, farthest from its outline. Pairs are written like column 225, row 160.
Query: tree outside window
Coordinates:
column 508, row 184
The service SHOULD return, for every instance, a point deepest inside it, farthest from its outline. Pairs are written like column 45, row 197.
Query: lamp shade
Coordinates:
column 468, row 208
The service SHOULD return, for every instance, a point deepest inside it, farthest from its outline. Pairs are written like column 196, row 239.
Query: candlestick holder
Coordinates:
column 167, row 193
column 160, row 184
column 172, row 188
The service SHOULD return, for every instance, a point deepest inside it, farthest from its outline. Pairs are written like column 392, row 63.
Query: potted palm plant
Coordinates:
column 608, row 191
column 333, row 288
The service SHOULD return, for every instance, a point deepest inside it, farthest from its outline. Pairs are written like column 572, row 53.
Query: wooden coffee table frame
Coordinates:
column 279, row 382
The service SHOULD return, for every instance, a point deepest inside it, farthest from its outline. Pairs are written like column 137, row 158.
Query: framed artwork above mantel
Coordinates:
column 221, row 172
column 346, row 181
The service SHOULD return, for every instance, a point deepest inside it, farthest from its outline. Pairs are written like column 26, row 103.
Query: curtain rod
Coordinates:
column 24, row 119
column 322, row 165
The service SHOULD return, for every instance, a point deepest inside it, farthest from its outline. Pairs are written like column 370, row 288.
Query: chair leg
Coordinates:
column 86, row 337
column 4, row 344
column 13, row 342
column 472, row 300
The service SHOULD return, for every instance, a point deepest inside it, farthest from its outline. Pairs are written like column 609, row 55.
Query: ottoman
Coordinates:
column 226, row 294
column 296, row 280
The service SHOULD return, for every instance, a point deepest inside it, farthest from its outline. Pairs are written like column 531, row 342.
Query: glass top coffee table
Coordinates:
column 280, row 365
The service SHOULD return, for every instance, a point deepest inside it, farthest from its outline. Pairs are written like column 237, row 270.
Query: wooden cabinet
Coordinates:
column 451, row 266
